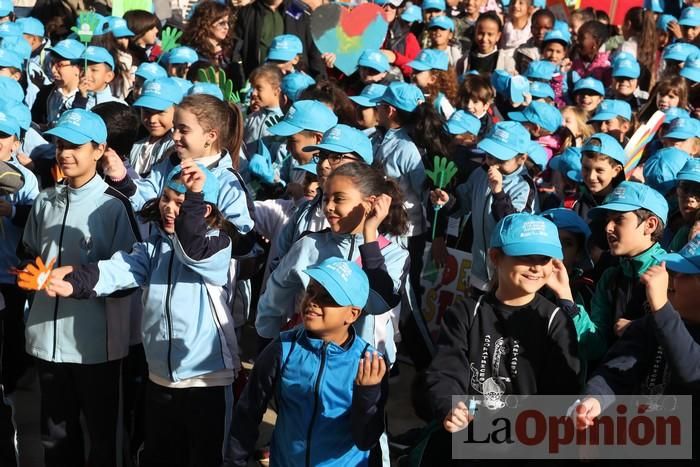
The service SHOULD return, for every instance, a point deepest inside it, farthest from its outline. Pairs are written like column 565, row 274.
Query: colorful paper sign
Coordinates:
column 616, row 9
column 347, row 33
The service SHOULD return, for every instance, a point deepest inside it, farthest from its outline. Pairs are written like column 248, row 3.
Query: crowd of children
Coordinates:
column 158, row 201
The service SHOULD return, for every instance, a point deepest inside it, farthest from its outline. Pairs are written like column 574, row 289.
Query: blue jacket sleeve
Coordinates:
column 367, row 412
column 380, row 281
column 682, row 351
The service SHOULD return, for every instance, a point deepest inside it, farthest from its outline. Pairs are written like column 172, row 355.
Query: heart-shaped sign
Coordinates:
column 347, row 33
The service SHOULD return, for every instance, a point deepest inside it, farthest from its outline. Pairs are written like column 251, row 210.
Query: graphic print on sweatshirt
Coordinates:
column 493, row 379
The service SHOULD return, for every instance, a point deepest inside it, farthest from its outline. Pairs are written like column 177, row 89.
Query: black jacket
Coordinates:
column 296, row 21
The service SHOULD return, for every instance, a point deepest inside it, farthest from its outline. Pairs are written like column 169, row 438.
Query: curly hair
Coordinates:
column 196, row 34
column 445, row 82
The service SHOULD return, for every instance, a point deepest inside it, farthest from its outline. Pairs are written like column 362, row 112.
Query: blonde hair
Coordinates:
column 581, row 120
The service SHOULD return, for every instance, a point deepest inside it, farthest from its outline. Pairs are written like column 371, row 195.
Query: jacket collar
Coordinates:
column 332, row 348
column 96, row 184
column 637, row 265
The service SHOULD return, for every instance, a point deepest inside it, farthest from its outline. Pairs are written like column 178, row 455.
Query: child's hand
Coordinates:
column 656, row 280
column 495, row 178
column 391, row 56
column 84, row 86
column 112, row 165
column 56, row 285
column 558, row 281
column 371, row 370
column 192, row 176
column 439, row 197
column 620, row 326
column 375, row 216
column 675, row 29
column 565, row 65
column 586, row 413
column 439, row 251
column 458, row 418
column 329, row 59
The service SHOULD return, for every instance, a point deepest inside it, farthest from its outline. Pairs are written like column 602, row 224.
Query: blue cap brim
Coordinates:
column 373, row 66
column 419, row 66
column 9, row 129
column 518, row 116
column 497, row 150
column 689, row 177
column 279, row 56
column 330, row 147
column 64, row 53
column 69, row 135
column 310, row 167
column 623, row 74
column 678, row 134
column 602, row 116
column 599, row 211
column 363, row 101
column 691, row 74
column 677, row 263
column 574, row 175
column 533, row 248
column 329, row 283
column 284, row 129
column 154, row 103
column 120, row 33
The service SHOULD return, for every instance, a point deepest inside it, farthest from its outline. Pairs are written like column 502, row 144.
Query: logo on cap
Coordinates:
column 72, row 118
column 120, row 23
column 618, row 192
column 533, row 229
column 3, row 117
column 501, row 135
column 342, row 269
column 375, row 56
column 334, row 135
column 290, row 113
column 153, row 88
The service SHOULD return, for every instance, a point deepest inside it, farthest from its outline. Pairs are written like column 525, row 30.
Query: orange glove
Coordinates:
column 35, row 276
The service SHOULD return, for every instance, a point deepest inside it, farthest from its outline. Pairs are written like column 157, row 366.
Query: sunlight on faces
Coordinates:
column 389, row 12
column 98, row 75
column 477, row 108
column 626, row 233
column 344, row 205
column 219, row 29
column 519, row 9
column 297, row 142
column 487, row 36
column 191, row 139
column 506, row 167
column 554, row 52
column 158, row 123
column 624, row 87
column 8, row 145
column 423, row 79
column 614, row 124
column 440, row 37
column 521, row 274
column 169, row 205
column 150, row 37
column 588, row 100
column 598, row 173
column 78, row 162
column 668, row 100
column 366, row 116
column 473, row 7
column 265, row 94
column 690, row 145
column 541, row 27
column 64, row 72
column 322, row 315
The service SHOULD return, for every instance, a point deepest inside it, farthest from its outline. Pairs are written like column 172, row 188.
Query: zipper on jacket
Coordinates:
column 316, row 400
column 168, row 315
column 352, row 247
column 58, row 263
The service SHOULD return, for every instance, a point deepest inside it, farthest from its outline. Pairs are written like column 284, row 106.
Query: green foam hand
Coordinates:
column 210, row 75
column 85, row 29
column 442, row 173
column 169, row 40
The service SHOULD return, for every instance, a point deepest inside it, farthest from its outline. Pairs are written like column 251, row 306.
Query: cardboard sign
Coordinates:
column 616, row 9
column 443, row 287
column 347, row 33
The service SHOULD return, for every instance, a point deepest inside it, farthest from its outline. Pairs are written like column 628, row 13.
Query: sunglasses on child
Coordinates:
column 333, row 158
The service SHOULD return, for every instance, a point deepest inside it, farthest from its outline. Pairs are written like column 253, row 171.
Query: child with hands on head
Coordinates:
column 184, row 262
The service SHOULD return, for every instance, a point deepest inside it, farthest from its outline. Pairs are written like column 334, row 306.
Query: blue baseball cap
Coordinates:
column 70, row 49
column 568, row 163
column 690, row 171
column 205, row 88
column 151, row 70
column 567, row 219
column 412, row 14
column 10, row 59
column 608, row 146
column 611, row 108
column 673, row 113
column 626, row 68
column 514, row 87
column 369, row 95
column 183, row 83
column 159, row 94
column 210, row 190
column 691, row 69
column 540, row 90
column 560, row 25
column 541, row 69
column 683, row 128
column 590, row 84
column 6, row 7
column 8, row 124
column 310, row 167
column 305, row 115
column 662, row 167
column 31, row 26
column 562, row 36
column 10, row 29
column 345, row 139
column 19, row 111
column 96, row 54
column 690, row 16
column 679, row 51
column 284, row 48
column 374, row 59
column 403, row 96
column 18, row 45
column 430, row 59
column 505, row 140
column 434, row 5
column 119, row 27
column 182, row 54
column 657, row 6
column 523, row 234
column 11, row 90
column 539, row 113
column 461, row 122
column 344, row 280
column 293, row 84
column 630, row 196
column 686, row 261
column 664, row 20
column 537, row 154
column 80, row 126
column 442, row 22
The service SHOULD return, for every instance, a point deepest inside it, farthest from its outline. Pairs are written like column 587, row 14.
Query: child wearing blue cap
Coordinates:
column 499, row 188
column 265, row 103
column 366, row 110
column 179, row 61
column 506, row 338
column 83, row 220
column 95, row 80
column 688, row 198
column 626, row 74
column 441, row 31
column 157, row 107
column 588, row 93
column 614, row 117
column 542, row 22
column 476, row 95
column 183, row 270
column 433, row 75
column 683, row 133
column 285, row 52
column 65, row 71
column 330, row 384
column 544, row 123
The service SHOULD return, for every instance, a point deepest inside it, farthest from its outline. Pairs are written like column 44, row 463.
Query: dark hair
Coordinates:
column 445, row 82
column 109, row 43
column 140, row 22
column 426, row 131
column 635, row 18
column 489, row 15
column 598, row 30
column 586, row 14
column 644, row 214
column 56, row 17
column 122, row 126
column 333, row 95
column 477, row 88
column 213, row 114
column 196, row 33
column 150, row 212
column 675, row 84
column 602, row 17
column 372, row 181
column 546, row 13
column 270, row 72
